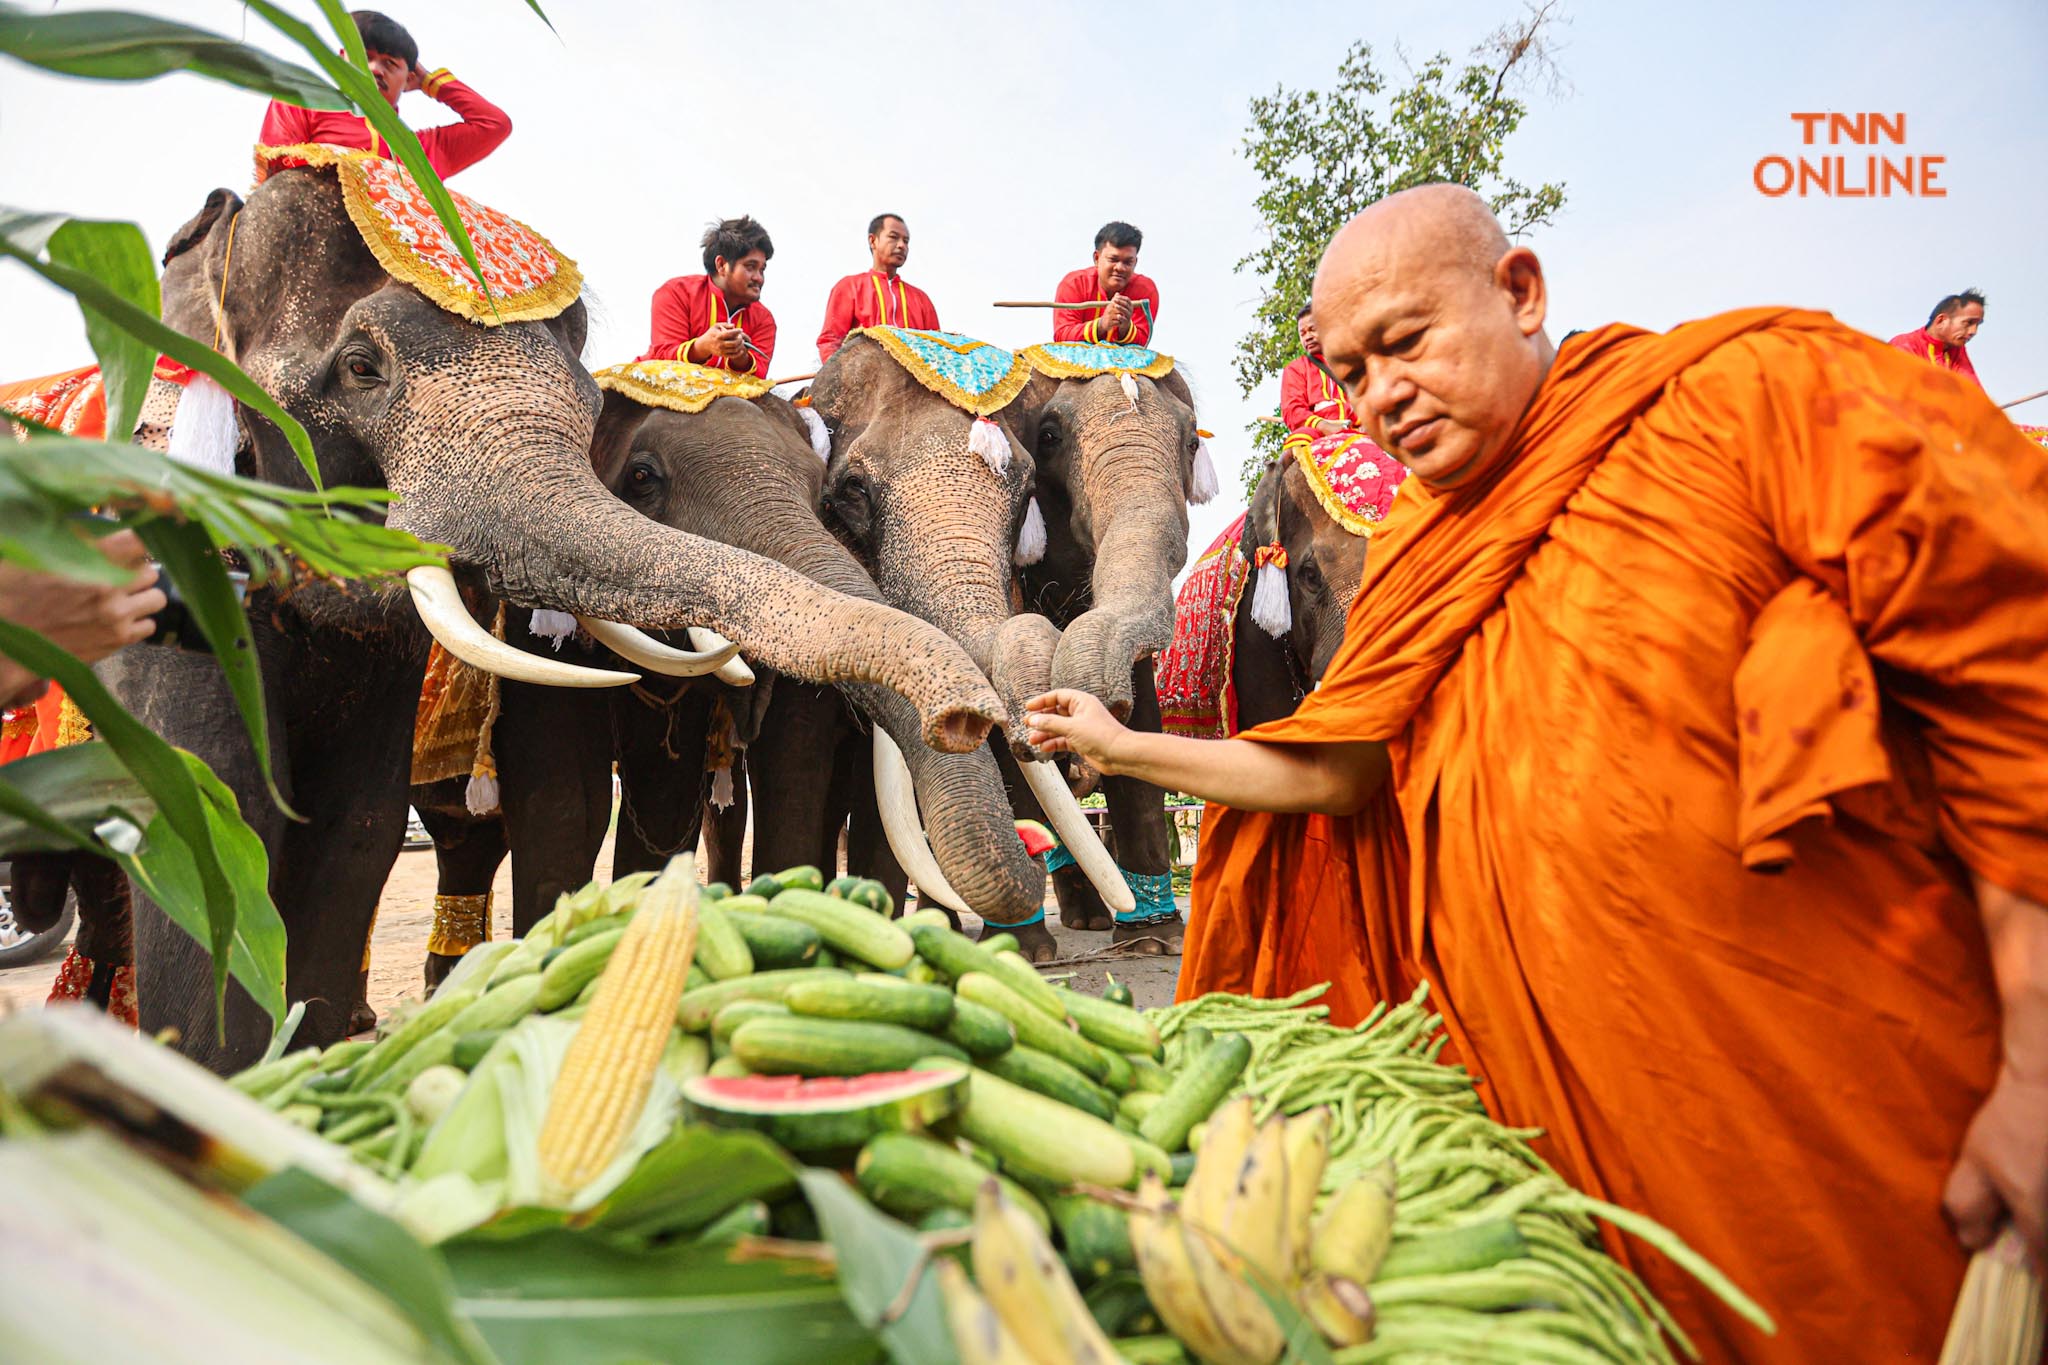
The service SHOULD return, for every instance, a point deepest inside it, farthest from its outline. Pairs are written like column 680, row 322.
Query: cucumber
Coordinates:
column 764, row 886
column 1095, row 1237
column 1183, row 1169
column 685, row 1056
column 423, row 1023
column 826, row 958
column 1020, row 976
column 874, row 896
column 696, row 978
column 742, row 1220
column 1117, row 993
column 956, row 955
column 573, row 968
column 344, row 1053
column 946, row 1220
column 1150, row 1158
column 839, row 886
column 847, row 928
column 883, row 999
column 1453, row 1251
column 1001, row 943
column 1190, row 1043
column 1148, row 1075
column 802, row 877
column 721, row 951
column 745, row 904
column 929, row 914
column 1036, row 1136
column 714, row 891
column 610, row 924
column 1034, row 1027
column 1196, row 1091
column 727, row 1021
column 911, row 1175
column 497, row 1009
column 1119, row 1076
column 1136, row 1104
column 833, row 1047
column 1053, row 1078
column 979, row 1029
column 728, row 1066
column 1116, row 1027
column 695, row 1010
column 776, row 942
column 471, row 1047
column 923, row 973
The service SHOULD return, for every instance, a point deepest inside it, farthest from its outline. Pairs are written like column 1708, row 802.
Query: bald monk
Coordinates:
column 1688, row 738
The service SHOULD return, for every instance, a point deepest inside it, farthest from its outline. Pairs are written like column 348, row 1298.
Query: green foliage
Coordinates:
column 1323, row 155
column 110, row 45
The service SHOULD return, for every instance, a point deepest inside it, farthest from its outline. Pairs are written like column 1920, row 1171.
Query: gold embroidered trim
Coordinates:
column 1053, row 367
column 980, row 404
column 1319, row 484
column 72, row 726
column 679, row 385
column 460, row 923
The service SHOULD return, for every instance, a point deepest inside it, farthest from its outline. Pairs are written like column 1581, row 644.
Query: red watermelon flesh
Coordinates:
column 826, row 1113
column 1037, row 838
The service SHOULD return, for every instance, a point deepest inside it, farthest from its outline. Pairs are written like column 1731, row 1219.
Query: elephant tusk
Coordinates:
column 734, row 670
column 641, row 648
column 1078, row 835
column 899, row 821
column 439, row 603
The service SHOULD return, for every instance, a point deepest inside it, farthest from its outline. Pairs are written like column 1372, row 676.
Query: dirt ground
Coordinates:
column 406, row 911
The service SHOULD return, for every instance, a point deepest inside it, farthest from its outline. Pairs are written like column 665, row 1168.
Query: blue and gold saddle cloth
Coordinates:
column 969, row 374
column 1085, row 360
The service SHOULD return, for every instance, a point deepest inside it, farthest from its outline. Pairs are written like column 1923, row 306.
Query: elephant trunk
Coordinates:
column 563, row 542
column 1135, row 505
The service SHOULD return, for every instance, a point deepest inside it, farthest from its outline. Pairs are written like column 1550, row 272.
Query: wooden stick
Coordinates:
column 1048, row 303
column 792, row 379
column 2028, row 399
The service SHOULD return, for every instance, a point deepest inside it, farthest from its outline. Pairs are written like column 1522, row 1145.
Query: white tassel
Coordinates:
column 986, row 439
column 1269, row 602
column 481, row 795
column 1031, row 535
column 203, row 430
column 553, row 626
column 821, row 439
column 1130, row 387
column 1204, row 485
column 721, row 788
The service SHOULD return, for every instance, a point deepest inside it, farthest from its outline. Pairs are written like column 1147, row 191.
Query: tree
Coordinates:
column 1325, row 155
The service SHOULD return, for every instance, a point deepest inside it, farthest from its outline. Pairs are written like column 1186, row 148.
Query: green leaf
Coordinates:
column 344, row 27
column 534, row 5
column 118, row 256
column 570, row 1298
column 166, row 868
column 147, row 327
column 113, row 45
column 52, row 800
column 358, row 86
column 878, row 1258
column 376, row 1250
column 188, row 556
column 690, row 1179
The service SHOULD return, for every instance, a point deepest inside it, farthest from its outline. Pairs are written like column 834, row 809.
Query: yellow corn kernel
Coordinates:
column 611, row 1062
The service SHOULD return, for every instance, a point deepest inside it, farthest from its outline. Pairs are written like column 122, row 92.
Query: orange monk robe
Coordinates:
column 1699, row 708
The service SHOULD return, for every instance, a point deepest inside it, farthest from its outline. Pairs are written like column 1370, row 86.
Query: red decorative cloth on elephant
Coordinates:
column 1083, row 324
column 450, row 148
column 527, row 277
column 1196, row 695
column 872, row 299
column 1309, row 391
column 2038, row 435
column 1353, row 479
column 688, row 306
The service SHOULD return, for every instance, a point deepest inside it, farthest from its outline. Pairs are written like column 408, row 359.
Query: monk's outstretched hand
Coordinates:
column 1069, row 722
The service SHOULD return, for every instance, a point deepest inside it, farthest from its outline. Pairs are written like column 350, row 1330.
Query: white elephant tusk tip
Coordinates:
column 643, row 649
column 439, row 603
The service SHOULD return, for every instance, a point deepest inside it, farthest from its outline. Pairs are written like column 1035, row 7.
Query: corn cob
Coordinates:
column 611, row 1063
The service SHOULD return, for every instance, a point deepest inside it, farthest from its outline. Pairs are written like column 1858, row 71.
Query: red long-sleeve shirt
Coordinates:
column 452, row 148
column 1922, row 343
column 687, row 307
column 872, row 299
column 1074, row 324
column 1307, row 392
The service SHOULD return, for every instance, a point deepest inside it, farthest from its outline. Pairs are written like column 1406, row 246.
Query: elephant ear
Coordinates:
column 1264, row 523
column 617, row 423
column 221, row 203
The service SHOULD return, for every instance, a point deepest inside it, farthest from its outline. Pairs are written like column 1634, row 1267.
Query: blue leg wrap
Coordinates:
column 1154, row 896
column 1057, row 859
column 1038, row 918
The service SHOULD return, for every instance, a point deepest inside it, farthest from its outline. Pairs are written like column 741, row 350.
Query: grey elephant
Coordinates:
column 483, row 432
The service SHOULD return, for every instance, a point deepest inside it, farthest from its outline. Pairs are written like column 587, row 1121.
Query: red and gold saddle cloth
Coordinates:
column 1196, row 697
column 1352, row 478
column 528, row 278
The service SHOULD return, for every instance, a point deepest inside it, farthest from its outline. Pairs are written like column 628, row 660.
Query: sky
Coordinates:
column 1006, row 136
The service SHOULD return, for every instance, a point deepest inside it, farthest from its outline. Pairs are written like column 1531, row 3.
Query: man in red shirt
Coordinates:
column 1133, row 298
column 1311, row 399
column 1949, row 330
column 395, row 64
column 879, row 297
column 717, row 318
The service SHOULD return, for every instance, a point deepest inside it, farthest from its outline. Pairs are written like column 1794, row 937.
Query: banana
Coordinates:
column 1252, row 1223
column 1224, row 1139
column 1340, row 1308
column 1256, row 1338
column 1170, row 1280
column 1308, row 1152
column 1029, row 1288
column 978, row 1331
column 1351, row 1239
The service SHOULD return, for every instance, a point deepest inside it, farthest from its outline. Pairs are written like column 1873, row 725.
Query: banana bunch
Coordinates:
column 1247, row 1216
column 1027, row 1310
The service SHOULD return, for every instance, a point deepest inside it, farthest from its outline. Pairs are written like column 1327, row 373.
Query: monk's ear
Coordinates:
column 1520, row 276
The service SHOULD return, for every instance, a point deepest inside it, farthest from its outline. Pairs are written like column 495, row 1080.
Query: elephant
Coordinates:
column 1118, row 458
column 1325, row 564
column 483, row 434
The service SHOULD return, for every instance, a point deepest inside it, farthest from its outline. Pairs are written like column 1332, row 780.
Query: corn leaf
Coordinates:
column 878, row 1258
column 689, row 1180
column 118, row 256
column 52, row 800
column 146, row 327
column 113, row 45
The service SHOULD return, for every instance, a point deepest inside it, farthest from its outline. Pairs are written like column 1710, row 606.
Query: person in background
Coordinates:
column 717, row 318
column 1133, row 299
column 395, row 65
column 879, row 296
column 1946, row 338
column 1311, row 399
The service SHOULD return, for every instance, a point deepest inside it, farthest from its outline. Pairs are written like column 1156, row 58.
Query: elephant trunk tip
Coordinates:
column 962, row 727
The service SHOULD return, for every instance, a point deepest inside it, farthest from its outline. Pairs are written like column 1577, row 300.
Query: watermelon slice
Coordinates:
column 1037, row 838
column 827, row 1113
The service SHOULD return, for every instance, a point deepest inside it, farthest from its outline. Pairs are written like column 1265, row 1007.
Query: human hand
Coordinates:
column 722, row 340
column 1118, row 314
column 88, row 620
column 1065, row 721
column 416, row 77
column 2002, row 1173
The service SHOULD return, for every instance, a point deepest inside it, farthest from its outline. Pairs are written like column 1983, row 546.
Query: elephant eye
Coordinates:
column 642, row 476
column 361, row 366
column 1311, row 576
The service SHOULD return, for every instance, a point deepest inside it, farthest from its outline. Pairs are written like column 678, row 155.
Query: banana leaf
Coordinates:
column 112, row 45
column 879, row 1261
column 691, row 1179
column 118, row 256
column 77, row 787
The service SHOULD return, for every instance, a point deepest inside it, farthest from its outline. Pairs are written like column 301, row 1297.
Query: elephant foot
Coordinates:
column 1153, row 938
column 361, row 1018
column 1080, row 903
column 1034, row 941
column 438, row 967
